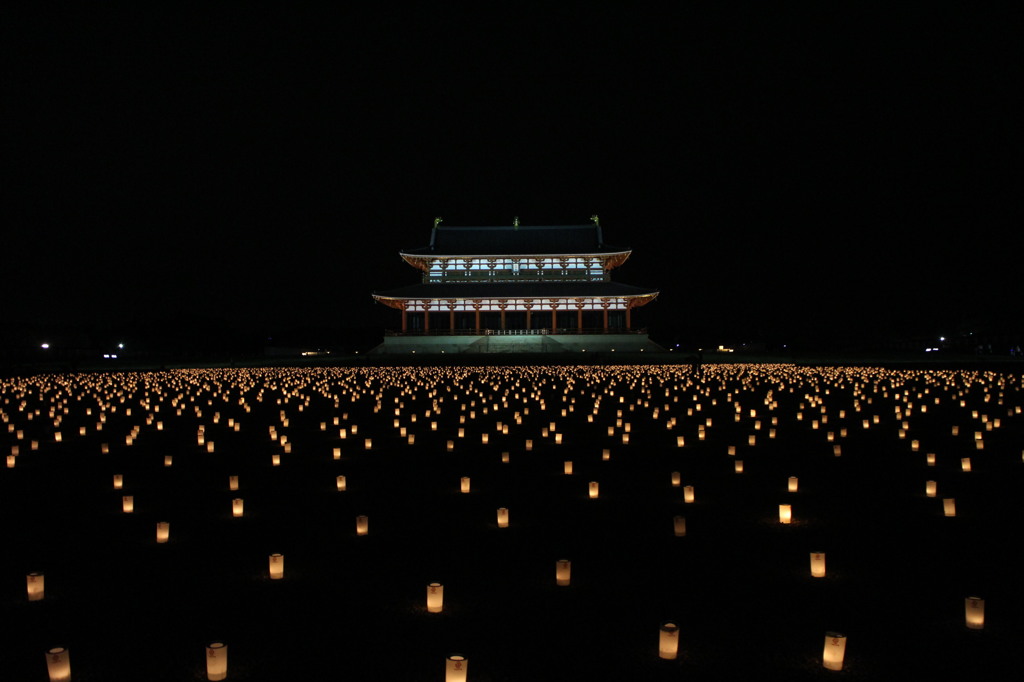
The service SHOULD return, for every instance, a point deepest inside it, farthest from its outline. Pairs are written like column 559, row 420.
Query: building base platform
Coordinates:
column 517, row 343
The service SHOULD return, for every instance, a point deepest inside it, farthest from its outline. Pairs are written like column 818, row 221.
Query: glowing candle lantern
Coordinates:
column 455, row 668
column 974, row 613
column 209, row 446
column 956, row 430
column 529, row 445
column 785, row 513
column 738, row 466
column 237, row 507
column 336, row 453
column 965, row 464
column 484, row 438
column 232, row 482
column 450, row 446
column 105, row 448
column 56, row 436
column 216, row 661
column 168, row 460
column 276, row 566
column 435, row 598
column 368, row 444
column 668, row 641
column 731, row 450
column 680, row 441
column 930, row 459
column 606, row 454
column 36, row 586
column 502, row 517
column 128, row 504
column 362, row 525
column 817, row 564
column 505, row 458
column 625, row 439
column 118, row 481
column 563, row 572
column 558, row 439
column 567, row 467
column 464, row 484
column 679, row 526
column 676, row 479
column 611, row 431
column 751, row 440
column 11, row 459
column 793, row 484
column 837, row 450
column 341, row 483
column 949, row 506
column 275, row 460
column 688, row 494
column 593, row 489
column 412, row 439
column 163, row 532
column 930, row 488
column 835, row 651
column 58, row 664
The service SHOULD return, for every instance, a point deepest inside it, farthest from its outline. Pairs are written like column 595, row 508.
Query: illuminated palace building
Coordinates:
column 517, row 288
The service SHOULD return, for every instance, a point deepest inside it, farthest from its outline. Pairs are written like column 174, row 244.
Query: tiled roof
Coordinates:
column 510, row 240
column 511, row 290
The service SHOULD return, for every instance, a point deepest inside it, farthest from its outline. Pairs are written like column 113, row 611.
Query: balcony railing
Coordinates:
column 511, row 332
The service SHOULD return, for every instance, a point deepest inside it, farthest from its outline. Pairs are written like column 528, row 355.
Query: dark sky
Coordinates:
column 780, row 173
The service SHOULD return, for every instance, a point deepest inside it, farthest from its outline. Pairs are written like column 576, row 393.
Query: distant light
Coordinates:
column 929, row 350
column 114, row 357
column 120, row 345
column 106, row 355
column 44, row 345
column 942, row 338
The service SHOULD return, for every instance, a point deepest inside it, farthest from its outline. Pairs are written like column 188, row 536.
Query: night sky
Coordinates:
column 791, row 175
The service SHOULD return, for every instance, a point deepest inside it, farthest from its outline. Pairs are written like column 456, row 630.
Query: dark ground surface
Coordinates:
column 353, row 607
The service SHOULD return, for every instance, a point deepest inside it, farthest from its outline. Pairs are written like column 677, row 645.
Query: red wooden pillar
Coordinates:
column 605, row 317
column 426, row 319
column 502, row 318
column 554, row 319
column 405, row 320
column 629, row 307
column 451, row 319
column 477, row 320
column 579, row 319
column 528, row 318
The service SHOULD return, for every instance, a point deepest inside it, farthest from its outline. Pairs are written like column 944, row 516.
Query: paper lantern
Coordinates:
column 785, row 513
column 341, row 483
column 276, row 566
column 606, row 454
column 505, row 457
column 216, row 661
column 455, row 668
column 688, row 494
column 502, row 517
column 949, row 506
column 58, row 664
column 118, row 481
column 232, row 482
column 793, row 484
column 128, row 504
column 751, row 440
column 965, row 464
column 679, row 526
column 163, row 532
column 168, row 460
column 435, row 597
column 625, row 439
column 362, row 525
column 680, row 441
column 817, row 564
column 738, row 466
column 930, row 488
column 563, row 572
column 731, row 450
column 237, row 506
column 835, row 651
column 336, row 453
column 529, row 445
column 676, row 479
column 209, row 446
column 35, row 584
column 837, row 450
column 930, row 459
column 464, row 484
column 275, row 460
column 567, row 467
column 367, row 443
column 593, row 489
column 974, row 613
column 668, row 641
column 11, row 460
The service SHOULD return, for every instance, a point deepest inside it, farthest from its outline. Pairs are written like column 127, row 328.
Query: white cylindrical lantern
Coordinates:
column 965, row 464
column 216, row 661
column 668, row 641
column 341, row 483
column 168, row 460
column 128, row 504
column 593, row 489
column 793, row 484
column 118, row 481
column 606, row 454
column 367, row 443
column 738, row 466
column 930, row 488
column 505, row 458
column 676, row 479
column 949, row 506
column 502, row 517
column 455, row 668
column 237, row 506
column 163, row 531
column 688, row 494
column 679, row 526
column 58, row 664
column 275, row 460
column 817, row 564
column 835, row 651
column 680, row 441
column 450, row 446
column 563, row 572
column 464, row 484
column 930, row 459
column 785, row 513
column 336, row 453
column 435, row 597
column 36, row 585
column 567, row 467
column 529, row 445
column 974, row 613
column 276, row 566
column 11, row 461
column 232, row 482
column 362, row 525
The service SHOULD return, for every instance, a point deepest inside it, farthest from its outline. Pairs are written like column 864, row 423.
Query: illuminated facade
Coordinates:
column 516, row 280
